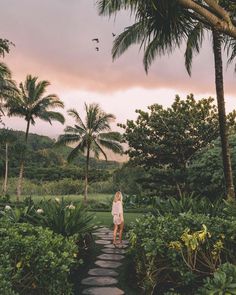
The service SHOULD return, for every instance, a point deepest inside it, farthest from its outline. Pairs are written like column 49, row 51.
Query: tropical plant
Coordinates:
column 64, row 218
column 37, row 260
column 162, row 265
column 32, row 104
column 161, row 26
column 91, row 136
column 223, row 281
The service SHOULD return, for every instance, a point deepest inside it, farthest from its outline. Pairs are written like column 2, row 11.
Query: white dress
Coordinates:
column 117, row 212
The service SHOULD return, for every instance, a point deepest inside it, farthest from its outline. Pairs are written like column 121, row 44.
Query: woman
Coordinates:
column 118, row 217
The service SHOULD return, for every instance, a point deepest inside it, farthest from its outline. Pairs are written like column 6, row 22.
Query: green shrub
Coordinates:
column 6, row 270
column 158, row 264
column 63, row 217
column 195, row 205
column 223, row 281
column 39, row 261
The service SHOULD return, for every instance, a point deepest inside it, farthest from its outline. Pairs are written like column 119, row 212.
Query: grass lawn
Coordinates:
column 72, row 198
column 105, row 218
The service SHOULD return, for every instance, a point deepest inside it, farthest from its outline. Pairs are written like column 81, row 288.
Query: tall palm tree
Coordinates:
column 91, row 136
column 161, row 26
column 33, row 103
column 7, row 85
column 7, row 138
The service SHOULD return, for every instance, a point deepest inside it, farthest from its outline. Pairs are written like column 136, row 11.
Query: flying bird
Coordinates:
column 96, row 40
column 113, row 35
column 97, row 48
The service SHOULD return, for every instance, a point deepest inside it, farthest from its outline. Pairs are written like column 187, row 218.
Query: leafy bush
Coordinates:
column 60, row 216
column 223, row 281
column 64, row 218
column 159, row 265
column 6, row 270
column 195, row 205
column 37, row 261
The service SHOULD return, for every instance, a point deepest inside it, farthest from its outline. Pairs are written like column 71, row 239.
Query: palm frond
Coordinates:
column 230, row 46
column 80, row 148
column 50, row 116
column 96, row 148
column 66, row 139
column 111, row 145
column 76, row 116
column 194, row 43
column 115, row 136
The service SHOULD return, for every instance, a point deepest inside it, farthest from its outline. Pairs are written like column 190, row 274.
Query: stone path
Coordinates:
column 103, row 278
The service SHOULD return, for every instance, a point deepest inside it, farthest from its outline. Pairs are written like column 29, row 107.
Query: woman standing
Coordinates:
column 118, row 217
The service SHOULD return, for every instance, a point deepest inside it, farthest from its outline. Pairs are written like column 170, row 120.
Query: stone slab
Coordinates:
column 113, row 251
column 108, row 264
column 102, row 242
column 116, row 257
column 103, row 291
column 111, row 246
column 102, row 272
column 99, row 281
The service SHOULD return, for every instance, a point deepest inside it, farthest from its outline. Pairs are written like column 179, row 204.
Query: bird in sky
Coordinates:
column 97, row 48
column 96, row 40
column 113, row 35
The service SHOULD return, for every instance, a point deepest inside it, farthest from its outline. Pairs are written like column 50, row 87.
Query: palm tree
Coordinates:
column 7, row 85
column 32, row 103
column 91, row 136
column 7, row 138
column 161, row 26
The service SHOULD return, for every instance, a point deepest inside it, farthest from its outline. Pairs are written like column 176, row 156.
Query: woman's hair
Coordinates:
column 118, row 197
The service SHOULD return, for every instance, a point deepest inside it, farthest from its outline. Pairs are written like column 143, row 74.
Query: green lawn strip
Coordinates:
column 105, row 218
column 72, row 198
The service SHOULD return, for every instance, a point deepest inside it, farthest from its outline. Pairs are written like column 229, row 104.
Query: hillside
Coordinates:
column 44, row 159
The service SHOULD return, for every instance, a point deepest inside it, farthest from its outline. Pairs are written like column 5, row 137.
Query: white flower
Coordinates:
column 71, row 206
column 39, row 211
column 7, row 208
column 57, row 200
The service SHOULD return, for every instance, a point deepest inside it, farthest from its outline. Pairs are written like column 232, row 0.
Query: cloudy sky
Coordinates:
column 53, row 40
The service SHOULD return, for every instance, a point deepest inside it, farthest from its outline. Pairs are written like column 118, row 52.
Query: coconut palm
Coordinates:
column 6, row 138
column 7, row 85
column 160, row 27
column 33, row 103
column 91, row 136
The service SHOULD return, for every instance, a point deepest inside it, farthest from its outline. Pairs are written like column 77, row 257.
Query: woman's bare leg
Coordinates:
column 121, row 231
column 114, row 233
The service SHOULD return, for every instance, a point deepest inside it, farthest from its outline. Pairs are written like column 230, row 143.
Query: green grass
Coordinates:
column 105, row 218
column 72, row 198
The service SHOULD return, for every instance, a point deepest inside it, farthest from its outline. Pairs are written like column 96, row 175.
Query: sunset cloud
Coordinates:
column 54, row 41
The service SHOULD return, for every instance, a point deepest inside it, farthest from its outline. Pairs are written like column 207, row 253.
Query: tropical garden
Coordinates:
column 178, row 184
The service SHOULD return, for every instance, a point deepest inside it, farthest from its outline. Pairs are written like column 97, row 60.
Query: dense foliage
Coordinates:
column 34, row 260
column 176, row 252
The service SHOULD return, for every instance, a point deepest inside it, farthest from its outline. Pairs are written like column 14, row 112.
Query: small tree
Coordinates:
column 91, row 136
column 169, row 138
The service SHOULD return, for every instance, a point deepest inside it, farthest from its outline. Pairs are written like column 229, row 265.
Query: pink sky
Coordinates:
column 53, row 41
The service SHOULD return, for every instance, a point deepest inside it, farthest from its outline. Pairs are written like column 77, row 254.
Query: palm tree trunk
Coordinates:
column 222, row 115
column 22, row 162
column 6, row 170
column 86, row 177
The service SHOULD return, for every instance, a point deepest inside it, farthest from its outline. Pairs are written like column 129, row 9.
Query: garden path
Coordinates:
column 103, row 277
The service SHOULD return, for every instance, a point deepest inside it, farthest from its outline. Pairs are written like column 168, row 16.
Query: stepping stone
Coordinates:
column 102, row 272
column 111, row 246
column 102, row 242
column 103, row 291
column 108, row 264
column 99, row 281
column 103, row 235
column 103, row 230
column 113, row 251
column 107, row 238
column 111, row 257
